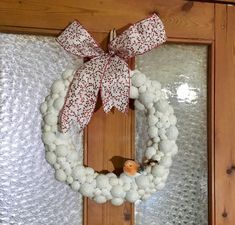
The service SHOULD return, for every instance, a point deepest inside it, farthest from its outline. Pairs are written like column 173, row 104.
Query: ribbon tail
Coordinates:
column 116, row 85
column 82, row 95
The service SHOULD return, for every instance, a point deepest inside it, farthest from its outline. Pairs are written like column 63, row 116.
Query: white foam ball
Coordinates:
column 165, row 146
column 67, row 168
column 152, row 120
column 132, row 196
column 50, row 119
column 46, row 128
column 117, row 201
column 100, row 199
column 146, row 98
column 142, row 89
column 67, row 73
column 57, row 166
column 57, row 86
column 153, row 131
column 75, row 185
column 87, row 190
column 58, row 103
column 172, row 132
column 173, row 119
column 150, row 151
column 78, row 171
column 111, row 175
column 102, row 181
column 146, row 196
column 61, row 150
column 160, row 186
column 174, row 149
column 166, row 161
column 43, row 107
column 134, row 92
column 97, row 191
column 152, row 111
column 138, row 79
column 157, row 180
column 69, row 179
column 142, row 181
column 141, row 192
column 105, row 192
column 139, row 106
column 50, row 157
column 162, row 106
column 156, row 85
column 126, row 186
column 72, row 156
column 158, row 170
column 113, row 181
column 125, row 178
column 117, row 191
column 89, row 171
column 60, row 175
column 48, row 137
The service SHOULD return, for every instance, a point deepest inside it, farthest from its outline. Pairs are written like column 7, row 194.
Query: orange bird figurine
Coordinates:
column 131, row 168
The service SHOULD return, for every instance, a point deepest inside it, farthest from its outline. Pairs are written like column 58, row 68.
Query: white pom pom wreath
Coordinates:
column 161, row 146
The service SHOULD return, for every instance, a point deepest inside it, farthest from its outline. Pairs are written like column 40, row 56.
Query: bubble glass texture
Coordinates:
column 182, row 71
column 29, row 193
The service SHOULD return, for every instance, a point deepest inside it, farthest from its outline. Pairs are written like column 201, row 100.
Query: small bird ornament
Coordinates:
column 132, row 168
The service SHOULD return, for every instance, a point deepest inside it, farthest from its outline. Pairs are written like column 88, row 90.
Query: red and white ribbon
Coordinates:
column 107, row 72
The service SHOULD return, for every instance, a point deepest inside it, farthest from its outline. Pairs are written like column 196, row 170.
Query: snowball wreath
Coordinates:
column 161, row 145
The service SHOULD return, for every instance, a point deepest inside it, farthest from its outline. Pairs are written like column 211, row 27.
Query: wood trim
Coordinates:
column 211, row 133
column 182, row 19
column 224, row 115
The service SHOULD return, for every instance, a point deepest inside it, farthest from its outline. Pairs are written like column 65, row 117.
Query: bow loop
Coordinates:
column 139, row 38
column 107, row 72
column 77, row 40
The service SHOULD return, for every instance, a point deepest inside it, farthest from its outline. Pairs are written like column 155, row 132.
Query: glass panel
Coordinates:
column 182, row 71
column 29, row 194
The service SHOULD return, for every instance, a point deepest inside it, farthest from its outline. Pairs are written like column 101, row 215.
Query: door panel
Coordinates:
column 182, row 71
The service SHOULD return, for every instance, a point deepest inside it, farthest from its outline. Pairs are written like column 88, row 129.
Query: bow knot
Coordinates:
column 107, row 72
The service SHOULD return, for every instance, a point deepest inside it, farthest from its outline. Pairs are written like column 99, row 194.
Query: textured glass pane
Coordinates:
column 182, row 70
column 29, row 193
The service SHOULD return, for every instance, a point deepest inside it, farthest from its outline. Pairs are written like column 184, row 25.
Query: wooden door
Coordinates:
column 113, row 134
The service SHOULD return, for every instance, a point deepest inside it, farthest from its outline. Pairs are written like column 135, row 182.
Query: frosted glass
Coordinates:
column 182, row 71
column 29, row 193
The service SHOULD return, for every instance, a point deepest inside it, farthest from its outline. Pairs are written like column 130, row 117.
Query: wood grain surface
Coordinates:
column 182, row 19
column 225, row 115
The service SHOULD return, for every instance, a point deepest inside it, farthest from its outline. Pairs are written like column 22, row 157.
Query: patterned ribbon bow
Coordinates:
column 107, row 72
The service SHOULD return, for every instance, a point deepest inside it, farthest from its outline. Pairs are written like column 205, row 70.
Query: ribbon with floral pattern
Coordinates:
column 105, row 72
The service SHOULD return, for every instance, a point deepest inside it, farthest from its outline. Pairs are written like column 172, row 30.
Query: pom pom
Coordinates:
column 117, row 201
column 57, row 86
column 138, row 79
column 134, row 92
column 132, row 196
column 142, row 181
column 172, row 133
column 153, row 132
column 102, row 181
column 117, row 191
column 51, row 157
column 60, row 175
column 75, row 185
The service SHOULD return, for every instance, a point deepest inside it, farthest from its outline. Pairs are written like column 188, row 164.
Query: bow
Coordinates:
column 107, row 72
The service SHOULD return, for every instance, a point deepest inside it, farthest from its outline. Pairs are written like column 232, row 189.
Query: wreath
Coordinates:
column 73, row 98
